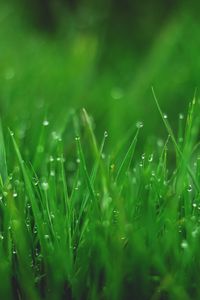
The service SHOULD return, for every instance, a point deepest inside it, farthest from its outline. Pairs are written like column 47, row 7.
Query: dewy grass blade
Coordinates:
column 121, row 175
column 84, row 169
column 3, row 163
column 169, row 130
column 30, row 192
column 96, row 151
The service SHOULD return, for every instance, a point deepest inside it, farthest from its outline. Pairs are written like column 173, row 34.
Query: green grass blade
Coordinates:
column 121, row 175
column 169, row 130
column 3, row 163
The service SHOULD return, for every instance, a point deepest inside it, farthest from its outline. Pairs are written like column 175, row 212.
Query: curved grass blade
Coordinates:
column 3, row 163
column 126, row 161
column 169, row 130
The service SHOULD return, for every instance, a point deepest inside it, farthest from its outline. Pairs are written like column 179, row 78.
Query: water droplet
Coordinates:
column 181, row 116
column 1, row 237
column 52, row 173
column 45, row 185
column 45, row 123
column 165, row 116
column 60, row 159
column 160, row 143
column 139, row 124
column 46, row 236
column 51, row 159
column 165, row 182
column 54, row 135
column 150, row 157
column 35, row 229
column 78, row 160
column 52, row 216
column 195, row 232
column 184, row 244
column 77, row 138
column 194, row 205
column 105, row 134
column 189, row 188
column 112, row 167
column 35, row 181
column 103, row 156
column 11, row 133
column 15, row 194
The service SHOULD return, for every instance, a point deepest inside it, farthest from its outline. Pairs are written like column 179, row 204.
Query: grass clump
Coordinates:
column 104, row 223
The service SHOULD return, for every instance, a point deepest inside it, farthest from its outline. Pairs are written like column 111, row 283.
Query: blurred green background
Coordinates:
column 102, row 55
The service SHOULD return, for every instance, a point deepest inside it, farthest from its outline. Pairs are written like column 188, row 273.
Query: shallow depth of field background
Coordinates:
column 102, row 55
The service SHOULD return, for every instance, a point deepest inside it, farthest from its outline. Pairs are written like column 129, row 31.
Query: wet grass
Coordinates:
column 82, row 220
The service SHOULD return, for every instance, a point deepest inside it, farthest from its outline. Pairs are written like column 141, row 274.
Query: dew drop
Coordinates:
column 52, row 216
column 54, row 135
column 150, row 157
column 195, row 232
column 35, row 181
column 15, row 194
column 45, row 185
column 45, row 123
column 52, row 173
column 105, row 134
column 139, row 124
column 184, row 244
column 189, row 188
column 160, row 143
column 103, row 156
column 51, row 159
column 165, row 116
column 181, row 116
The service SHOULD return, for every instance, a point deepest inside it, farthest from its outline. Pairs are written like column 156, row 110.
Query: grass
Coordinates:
column 101, row 224
column 98, row 205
